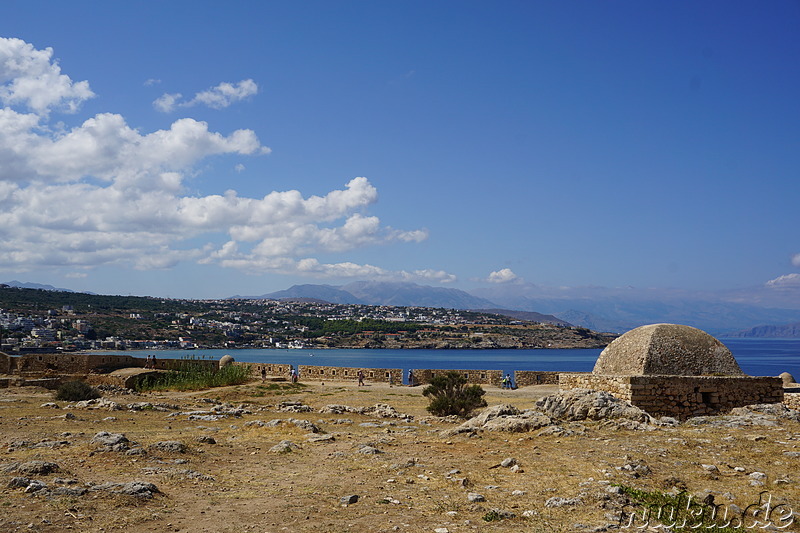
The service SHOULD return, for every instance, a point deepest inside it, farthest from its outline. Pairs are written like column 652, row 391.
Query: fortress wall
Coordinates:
column 479, row 377
column 271, row 370
column 322, row 373
column 523, row 378
column 5, row 363
column 682, row 396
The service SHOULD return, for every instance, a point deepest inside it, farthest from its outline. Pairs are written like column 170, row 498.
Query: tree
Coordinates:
column 450, row 395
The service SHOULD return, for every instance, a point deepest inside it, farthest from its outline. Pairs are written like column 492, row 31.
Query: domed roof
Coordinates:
column 667, row 349
column 226, row 360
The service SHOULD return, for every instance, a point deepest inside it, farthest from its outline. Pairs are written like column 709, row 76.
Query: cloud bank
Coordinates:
column 103, row 193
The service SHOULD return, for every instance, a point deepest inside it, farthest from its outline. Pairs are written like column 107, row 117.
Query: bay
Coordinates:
column 757, row 357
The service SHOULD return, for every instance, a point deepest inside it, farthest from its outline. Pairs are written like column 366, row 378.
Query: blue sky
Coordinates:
column 204, row 149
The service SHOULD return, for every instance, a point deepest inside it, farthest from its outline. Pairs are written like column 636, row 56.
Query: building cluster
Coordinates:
column 212, row 323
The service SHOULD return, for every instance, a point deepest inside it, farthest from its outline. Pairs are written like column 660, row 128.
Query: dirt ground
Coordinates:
column 228, row 480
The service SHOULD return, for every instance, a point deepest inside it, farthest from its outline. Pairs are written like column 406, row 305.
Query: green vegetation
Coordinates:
column 682, row 513
column 450, row 395
column 195, row 375
column 76, row 391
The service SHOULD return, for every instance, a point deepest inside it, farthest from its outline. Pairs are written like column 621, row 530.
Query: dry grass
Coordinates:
column 256, row 490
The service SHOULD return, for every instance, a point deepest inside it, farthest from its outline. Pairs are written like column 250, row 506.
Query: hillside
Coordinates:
column 788, row 331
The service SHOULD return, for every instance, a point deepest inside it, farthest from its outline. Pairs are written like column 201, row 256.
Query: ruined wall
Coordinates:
column 479, row 377
column 338, row 373
column 523, row 378
column 5, row 362
column 792, row 400
column 682, row 396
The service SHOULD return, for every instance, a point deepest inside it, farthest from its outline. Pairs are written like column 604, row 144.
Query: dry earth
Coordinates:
column 228, row 480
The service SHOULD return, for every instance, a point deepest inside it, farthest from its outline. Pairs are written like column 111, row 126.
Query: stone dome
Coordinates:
column 226, row 360
column 787, row 379
column 667, row 349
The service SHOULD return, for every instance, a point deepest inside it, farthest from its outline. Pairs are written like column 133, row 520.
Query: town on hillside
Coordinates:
column 47, row 321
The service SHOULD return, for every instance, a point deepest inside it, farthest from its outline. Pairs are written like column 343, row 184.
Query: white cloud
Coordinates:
column 787, row 281
column 239, row 167
column 167, row 102
column 219, row 97
column 504, row 275
column 104, row 193
column 30, row 78
column 796, row 260
column 151, row 81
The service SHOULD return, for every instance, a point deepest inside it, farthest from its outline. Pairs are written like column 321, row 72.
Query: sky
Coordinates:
column 205, row 149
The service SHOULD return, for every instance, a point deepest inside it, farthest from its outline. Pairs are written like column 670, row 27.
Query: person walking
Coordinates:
column 360, row 378
column 410, row 378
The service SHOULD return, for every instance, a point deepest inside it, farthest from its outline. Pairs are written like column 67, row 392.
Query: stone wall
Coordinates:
column 523, row 378
column 271, row 370
column 682, row 396
column 479, row 377
column 792, row 400
column 338, row 373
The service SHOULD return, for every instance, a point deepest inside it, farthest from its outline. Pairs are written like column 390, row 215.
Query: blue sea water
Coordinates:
column 757, row 357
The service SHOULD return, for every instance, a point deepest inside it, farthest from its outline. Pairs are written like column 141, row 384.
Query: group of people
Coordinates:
column 151, row 361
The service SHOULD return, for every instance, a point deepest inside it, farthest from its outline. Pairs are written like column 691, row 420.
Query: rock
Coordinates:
column 557, row 501
column 49, row 405
column 516, row 469
column 97, row 403
column 35, row 486
column 508, row 462
column 109, row 439
column 38, row 467
column 474, row 497
column 584, row 404
column 368, row 450
column 18, row 483
column 284, row 446
column 294, row 407
column 305, row 425
column 205, row 439
column 710, row 468
column 168, row 446
column 348, row 500
column 138, row 489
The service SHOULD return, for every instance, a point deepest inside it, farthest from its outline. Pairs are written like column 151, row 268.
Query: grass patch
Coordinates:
column 195, row 375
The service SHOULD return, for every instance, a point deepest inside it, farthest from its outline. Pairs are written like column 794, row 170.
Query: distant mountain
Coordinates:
column 326, row 293
column 530, row 316
column 385, row 293
column 21, row 285
column 788, row 331
column 619, row 310
column 411, row 294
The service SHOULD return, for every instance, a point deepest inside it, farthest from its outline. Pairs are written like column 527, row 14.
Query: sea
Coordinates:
column 756, row 357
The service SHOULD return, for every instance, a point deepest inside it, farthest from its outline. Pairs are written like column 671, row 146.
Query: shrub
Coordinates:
column 450, row 395
column 76, row 391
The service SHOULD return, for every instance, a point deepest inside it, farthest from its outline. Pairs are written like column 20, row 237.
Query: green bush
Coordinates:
column 76, row 391
column 450, row 395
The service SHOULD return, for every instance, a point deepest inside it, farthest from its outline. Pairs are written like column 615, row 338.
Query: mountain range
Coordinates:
column 614, row 310
column 599, row 309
